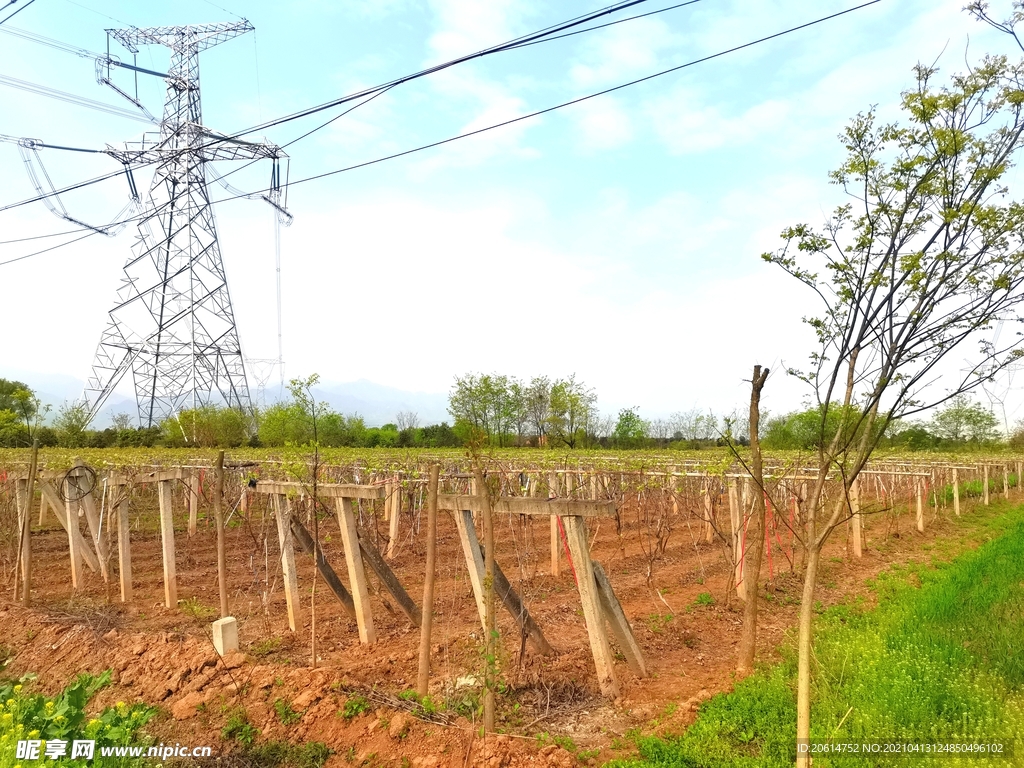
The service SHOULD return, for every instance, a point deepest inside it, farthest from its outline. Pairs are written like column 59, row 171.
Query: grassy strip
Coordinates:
column 938, row 660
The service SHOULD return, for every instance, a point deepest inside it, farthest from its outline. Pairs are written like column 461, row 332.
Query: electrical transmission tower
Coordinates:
column 172, row 324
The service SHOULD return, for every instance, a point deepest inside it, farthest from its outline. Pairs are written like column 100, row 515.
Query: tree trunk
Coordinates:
column 755, row 551
column 803, row 685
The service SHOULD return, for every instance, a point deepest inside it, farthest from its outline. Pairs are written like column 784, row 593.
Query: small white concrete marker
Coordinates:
column 225, row 635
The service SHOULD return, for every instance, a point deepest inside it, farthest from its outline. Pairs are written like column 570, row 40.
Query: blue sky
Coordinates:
column 618, row 239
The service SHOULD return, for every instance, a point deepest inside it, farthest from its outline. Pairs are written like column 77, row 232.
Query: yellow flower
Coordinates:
column 18, row 687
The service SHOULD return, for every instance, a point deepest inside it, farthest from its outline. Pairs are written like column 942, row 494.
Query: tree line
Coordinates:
column 501, row 410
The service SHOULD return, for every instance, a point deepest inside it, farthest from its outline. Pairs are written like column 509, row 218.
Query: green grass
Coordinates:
column 938, row 660
column 975, row 488
column 281, row 754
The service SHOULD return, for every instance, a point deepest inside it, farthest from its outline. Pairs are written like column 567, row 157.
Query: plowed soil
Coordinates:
column 675, row 597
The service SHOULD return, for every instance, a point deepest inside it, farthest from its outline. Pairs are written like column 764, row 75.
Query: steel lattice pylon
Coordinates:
column 172, row 324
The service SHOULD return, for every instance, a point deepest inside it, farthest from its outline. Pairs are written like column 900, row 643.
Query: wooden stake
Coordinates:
column 218, row 517
column 167, row 541
column 372, row 557
column 616, row 618
column 396, row 514
column 193, row 503
column 858, row 550
column 356, row 575
column 985, row 485
column 736, row 519
column 672, row 491
column 423, row 678
column 74, row 537
column 709, row 528
column 956, row 493
column 43, row 504
column 124, row 551
column 79, row 547
column 88, row 505
column 305, row 542
column 920, row 505
column 282, row 511
column 490, row 620
column 474, row 559
column 1006, row 481
column 26, row 531
column 555, row 537
column 576, row 533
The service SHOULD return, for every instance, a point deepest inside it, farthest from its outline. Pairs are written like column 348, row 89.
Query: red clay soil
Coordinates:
column 166, row 657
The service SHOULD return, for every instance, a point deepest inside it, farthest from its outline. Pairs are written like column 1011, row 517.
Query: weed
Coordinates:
column 197, row 610
column 656, row 622
column 265, row 647
column 285, row 713
column 704, row 598
column 355, row 706
column 240, row 729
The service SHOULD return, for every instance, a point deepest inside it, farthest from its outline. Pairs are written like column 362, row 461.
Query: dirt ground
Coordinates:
column 166, row 657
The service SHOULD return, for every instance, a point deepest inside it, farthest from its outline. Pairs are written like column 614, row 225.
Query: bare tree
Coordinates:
column 406, row 420
column 924, row 261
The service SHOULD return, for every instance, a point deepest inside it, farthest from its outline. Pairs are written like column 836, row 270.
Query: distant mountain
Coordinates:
column 376, row 403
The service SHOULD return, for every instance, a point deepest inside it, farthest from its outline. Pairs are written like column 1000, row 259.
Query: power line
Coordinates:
column 577, row 100
column 385, row 88
column 371, row 92
column 510, row 45
column 51, row 248
column 42, row 237
column 502, row 124
column 71, row 98
column 19, row 10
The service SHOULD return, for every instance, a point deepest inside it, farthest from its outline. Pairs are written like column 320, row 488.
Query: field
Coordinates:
column 675, row 586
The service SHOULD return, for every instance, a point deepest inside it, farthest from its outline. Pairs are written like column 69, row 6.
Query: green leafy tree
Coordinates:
column 630, row 429
column 71, row 424
column 491, row 404
column 572, row 410
column 21, row 413
column 922, row 265
column 962, row 419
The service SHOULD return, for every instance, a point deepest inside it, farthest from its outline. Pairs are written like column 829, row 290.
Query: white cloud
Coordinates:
column 622, row 51
column 466, row 26
column 603, row 123
column 687, row 123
